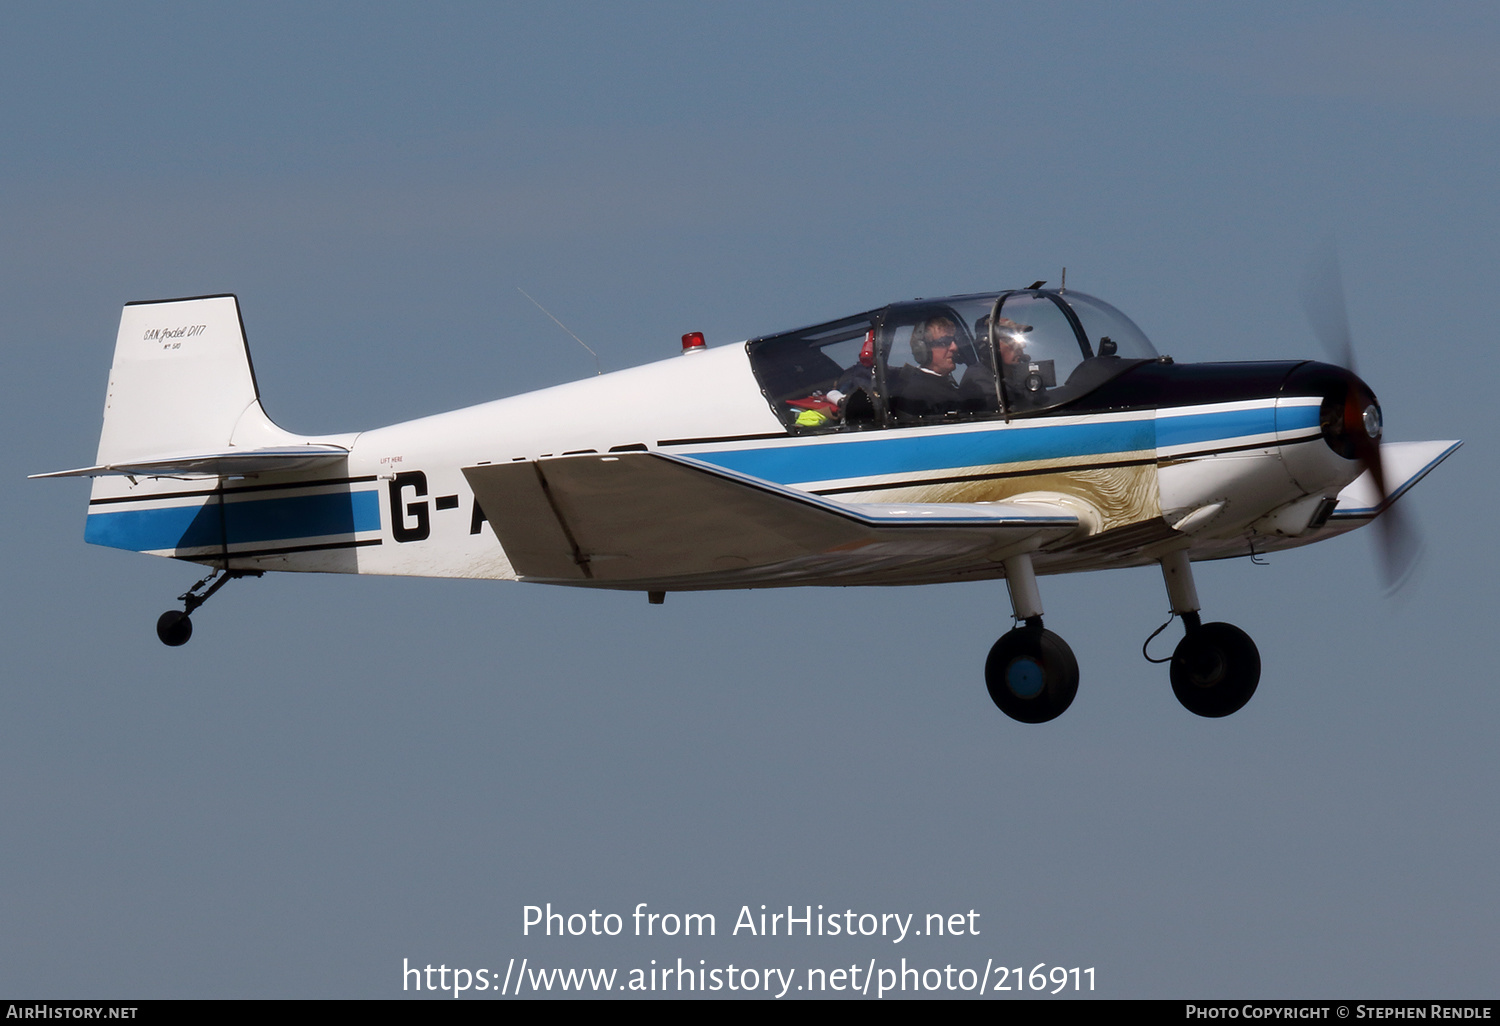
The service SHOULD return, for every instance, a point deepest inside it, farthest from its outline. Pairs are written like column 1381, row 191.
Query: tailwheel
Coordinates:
column 1215, row 669
column 174, row 627
column 1031, row 674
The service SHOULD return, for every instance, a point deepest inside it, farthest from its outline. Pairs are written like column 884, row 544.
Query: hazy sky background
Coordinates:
column 339, row 773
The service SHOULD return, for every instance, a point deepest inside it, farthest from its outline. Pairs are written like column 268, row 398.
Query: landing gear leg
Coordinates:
column 1031, row 673
column 175, row 626
column 1216, row 667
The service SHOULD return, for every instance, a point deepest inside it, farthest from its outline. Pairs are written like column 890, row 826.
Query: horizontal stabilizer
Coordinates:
column 230, row 463
column 642, row 517
column 1405, row 463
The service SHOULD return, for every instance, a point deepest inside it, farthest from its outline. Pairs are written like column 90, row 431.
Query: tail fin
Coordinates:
column 183, row 400
column 183, row 419
column 181, row 383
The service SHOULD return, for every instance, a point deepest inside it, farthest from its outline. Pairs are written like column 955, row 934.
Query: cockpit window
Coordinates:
column 1004, row 354
column 936, row 361
column 1038, row 349
column 820, row 378
column 1103, row 325
column 1054, row 347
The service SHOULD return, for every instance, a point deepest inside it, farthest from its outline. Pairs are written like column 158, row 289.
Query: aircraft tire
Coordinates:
column 1032, row 675
column 174, row 627
column 1215, row 670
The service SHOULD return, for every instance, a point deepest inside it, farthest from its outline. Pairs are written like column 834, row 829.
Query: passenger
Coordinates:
column 1026, row 381
column 979, row 394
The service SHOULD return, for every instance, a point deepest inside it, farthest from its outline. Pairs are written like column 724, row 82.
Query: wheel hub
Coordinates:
column 1025, row 678
column 1206, row 666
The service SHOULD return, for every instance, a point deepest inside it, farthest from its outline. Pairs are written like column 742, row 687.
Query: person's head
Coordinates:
column 1009, row 341
column 934, row 345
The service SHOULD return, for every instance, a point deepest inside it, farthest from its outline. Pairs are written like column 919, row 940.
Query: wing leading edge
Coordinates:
column 647, row 518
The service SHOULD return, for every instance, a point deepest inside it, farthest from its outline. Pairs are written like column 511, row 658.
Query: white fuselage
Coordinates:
column 401, row 503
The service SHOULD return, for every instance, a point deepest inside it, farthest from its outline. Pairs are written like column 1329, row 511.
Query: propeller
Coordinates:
column 1323, row 299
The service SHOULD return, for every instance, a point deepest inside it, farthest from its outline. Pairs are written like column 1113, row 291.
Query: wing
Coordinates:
column 639, row 519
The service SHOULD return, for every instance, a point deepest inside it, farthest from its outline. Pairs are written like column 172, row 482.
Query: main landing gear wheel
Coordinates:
column 1032, row 675
column 174, row 627
column 1215, row 670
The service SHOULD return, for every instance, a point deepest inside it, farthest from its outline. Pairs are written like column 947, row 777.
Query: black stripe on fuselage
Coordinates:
column 239, row 490
column 724, row 438
column 285, row 550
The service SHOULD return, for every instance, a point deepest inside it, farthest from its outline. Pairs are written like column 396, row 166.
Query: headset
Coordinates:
column 921, row 347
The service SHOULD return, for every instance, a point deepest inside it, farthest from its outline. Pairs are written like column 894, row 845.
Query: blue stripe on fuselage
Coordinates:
column 1297, row 418
column 1197, row 428
column 256, row 520
column 899, row 452
column 1194, row 428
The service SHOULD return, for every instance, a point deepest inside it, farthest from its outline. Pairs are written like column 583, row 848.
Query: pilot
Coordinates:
column 929, row 389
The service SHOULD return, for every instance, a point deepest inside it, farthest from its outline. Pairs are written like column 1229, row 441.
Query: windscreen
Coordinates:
column 1004, row 354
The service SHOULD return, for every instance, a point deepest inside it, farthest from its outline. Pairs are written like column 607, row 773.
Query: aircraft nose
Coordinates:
column 1349, row 415
column 1351, row 420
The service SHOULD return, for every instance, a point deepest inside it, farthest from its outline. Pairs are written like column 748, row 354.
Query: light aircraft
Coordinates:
column 1004, row 435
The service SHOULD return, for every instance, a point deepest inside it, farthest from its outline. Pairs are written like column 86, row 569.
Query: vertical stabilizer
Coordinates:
column 181, row 382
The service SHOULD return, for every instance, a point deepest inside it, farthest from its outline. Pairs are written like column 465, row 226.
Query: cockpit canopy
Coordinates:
column 1004, row 354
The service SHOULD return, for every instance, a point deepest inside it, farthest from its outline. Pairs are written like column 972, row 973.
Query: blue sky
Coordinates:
column 338, row 773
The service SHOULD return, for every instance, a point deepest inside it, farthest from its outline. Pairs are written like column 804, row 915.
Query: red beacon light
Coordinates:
column 692, row 342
